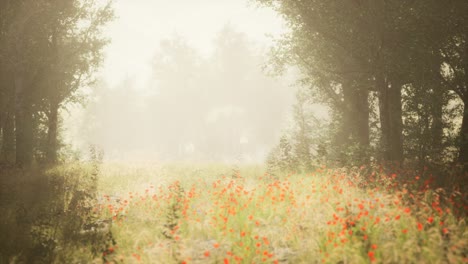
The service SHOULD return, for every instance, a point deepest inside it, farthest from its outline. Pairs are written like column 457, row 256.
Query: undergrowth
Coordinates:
column 182, row 213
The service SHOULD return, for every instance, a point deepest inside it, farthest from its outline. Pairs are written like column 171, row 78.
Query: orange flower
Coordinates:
column 138, row 257
column 374, row 246
column 206, row 254
column 371, row 255
column 430, row 219
column 216, row 245
column 420, row 226
column 404, row 231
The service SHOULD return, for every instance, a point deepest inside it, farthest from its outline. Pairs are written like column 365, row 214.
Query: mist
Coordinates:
column 223, row 107
column 233, row 131
column 188, row 89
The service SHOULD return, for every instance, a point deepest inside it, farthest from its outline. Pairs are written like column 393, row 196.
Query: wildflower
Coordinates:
column 404, row 231
column 430, row 219
column 420, row 226
column 397, row 217
column 138, row 257
column 207, row 253
column 371, row 255
column 374, row 246
column 377, row 220
column 216, row 245
column 226, row 261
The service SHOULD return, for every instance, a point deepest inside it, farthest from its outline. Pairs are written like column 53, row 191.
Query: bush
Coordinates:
column 48, row 215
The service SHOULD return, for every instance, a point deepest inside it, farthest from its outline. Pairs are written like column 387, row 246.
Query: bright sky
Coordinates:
column 141, row 24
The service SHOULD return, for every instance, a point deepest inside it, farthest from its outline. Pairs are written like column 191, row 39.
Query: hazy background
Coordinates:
column 183, row 80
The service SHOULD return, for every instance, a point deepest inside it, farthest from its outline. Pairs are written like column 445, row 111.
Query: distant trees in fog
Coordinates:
column 216, row 107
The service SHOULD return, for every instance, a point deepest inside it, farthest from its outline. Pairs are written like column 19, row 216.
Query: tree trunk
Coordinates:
column 24, row 125
column 390, row 119
column 8, row 138
column 52, row 142
column 437, row 127
column 463, row 154
column 355, row 127
column 356, row 114
column 7, row 152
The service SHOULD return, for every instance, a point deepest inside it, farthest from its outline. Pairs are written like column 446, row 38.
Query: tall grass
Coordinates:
column 47, row 215
column 216, row 214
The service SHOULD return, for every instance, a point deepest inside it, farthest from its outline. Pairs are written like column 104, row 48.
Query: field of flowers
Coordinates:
column 214, row 214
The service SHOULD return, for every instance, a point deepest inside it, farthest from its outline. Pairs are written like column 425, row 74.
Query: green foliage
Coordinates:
column 429, row 128
column 51, row 49
column 281, row 158
column 407, row 58
column 173, row 214
column 49, row 216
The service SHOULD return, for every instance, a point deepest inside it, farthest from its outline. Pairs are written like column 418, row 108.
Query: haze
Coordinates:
column 183, row 80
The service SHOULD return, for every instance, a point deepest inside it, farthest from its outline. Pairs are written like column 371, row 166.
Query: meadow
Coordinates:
column 183, row 213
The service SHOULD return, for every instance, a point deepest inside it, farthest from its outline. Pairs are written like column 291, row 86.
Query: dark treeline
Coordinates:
column 393, row 74
column 49, row 49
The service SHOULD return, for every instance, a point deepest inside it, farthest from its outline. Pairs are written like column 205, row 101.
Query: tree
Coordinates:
column 350, row 48
column 454, row 67
column 48, row 46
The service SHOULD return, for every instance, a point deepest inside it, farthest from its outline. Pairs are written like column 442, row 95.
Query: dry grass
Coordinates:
column 215, row 214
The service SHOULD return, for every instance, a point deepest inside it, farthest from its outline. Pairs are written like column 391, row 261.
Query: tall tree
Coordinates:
column 349, row 48
column 47, row 44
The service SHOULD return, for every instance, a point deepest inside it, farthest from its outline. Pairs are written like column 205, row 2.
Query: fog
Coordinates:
column 185, row 80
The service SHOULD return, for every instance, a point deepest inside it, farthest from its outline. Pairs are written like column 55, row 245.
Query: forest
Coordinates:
column 340, row 137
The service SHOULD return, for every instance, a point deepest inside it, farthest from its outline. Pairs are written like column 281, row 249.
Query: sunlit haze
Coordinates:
column 141, row 24
column 183, row 80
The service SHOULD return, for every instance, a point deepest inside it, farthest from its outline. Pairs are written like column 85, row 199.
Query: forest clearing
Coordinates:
column 233, row 131
column 184, row 213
